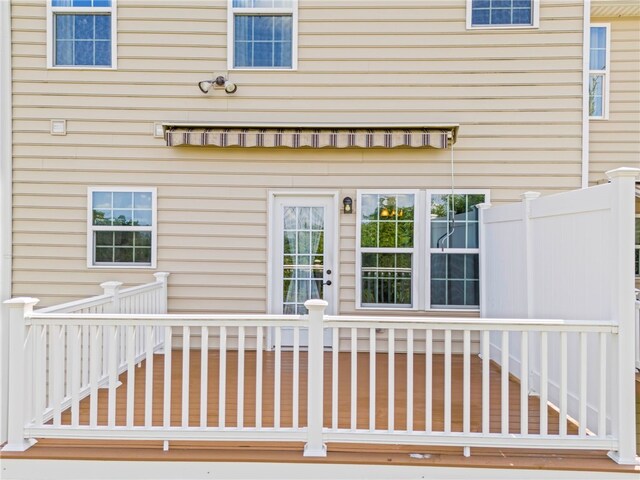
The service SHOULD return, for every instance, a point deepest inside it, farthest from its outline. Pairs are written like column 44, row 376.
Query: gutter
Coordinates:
column 6, row 144
column 586, row 34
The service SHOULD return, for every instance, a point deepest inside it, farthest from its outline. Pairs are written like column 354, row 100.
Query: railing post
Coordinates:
column 315, row 447
column 19, row 309
column 163, row 277
column 482, row 207
column 623, row 312
column 113, row 289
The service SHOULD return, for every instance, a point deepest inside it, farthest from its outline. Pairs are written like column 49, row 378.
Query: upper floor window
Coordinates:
column 122, row 227
column 599, row 72
column 262, row 34
column 502, row 13
column 81, row 33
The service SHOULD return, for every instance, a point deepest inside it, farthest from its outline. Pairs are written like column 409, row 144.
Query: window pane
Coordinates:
column 263, row 40
column 103, row 27
column 142, row 239
column 123, row 199
column 142, row 200
column 122, row 217
column 142, row 218
column 83, row 25
column 83, row 53
column 457, row 229
column 263, row 28
column 386, row 279
column 502, row 12
column 64, row 27
column 454, row 280
column 387, row 221
column 64, row 52
column 596, row 91
column 103, row 53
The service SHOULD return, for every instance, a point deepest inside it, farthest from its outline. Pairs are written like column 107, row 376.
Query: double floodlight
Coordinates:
column 218, row 82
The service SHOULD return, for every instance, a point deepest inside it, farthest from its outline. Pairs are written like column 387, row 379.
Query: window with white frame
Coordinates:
column 599, row 71
column 397, row 266
column 454, row 250
column 122, row 227
column 502, row 13
column 387, row 249
column 82, row 33
column 262, row 34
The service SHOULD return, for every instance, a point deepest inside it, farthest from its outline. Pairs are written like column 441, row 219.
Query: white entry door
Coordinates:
column 304, row 256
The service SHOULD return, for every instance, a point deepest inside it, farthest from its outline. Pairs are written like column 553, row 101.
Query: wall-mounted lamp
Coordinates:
column 219, row 82
column 348, row 205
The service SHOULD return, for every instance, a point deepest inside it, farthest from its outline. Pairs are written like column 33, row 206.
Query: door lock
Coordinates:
column 327, row 283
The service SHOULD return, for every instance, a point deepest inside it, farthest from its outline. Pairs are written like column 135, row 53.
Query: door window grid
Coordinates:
column 303, row 257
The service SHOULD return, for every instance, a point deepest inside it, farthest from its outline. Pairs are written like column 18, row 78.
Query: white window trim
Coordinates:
column 293, row 11
column 535, row 19
column 428, row 250
column 605, row 73
column 415, row 251
column 154, row 227
column 421, row 262
column 51, row 11
column 636, row 246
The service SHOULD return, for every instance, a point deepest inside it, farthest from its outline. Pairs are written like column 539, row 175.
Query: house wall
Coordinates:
column 615, row 142
column 515, row 93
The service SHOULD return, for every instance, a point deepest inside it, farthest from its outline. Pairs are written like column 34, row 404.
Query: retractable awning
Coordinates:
column 311, row 136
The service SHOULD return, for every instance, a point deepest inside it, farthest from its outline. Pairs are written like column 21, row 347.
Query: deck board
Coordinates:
column 338, row 453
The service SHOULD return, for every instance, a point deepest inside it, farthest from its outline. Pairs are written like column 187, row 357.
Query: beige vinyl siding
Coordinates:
column 515, row 93
column 616, row 142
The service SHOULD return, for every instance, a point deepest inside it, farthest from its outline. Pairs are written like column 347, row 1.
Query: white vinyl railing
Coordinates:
column 232, row 387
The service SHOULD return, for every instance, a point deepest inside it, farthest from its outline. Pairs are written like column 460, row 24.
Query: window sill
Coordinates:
column 121, row 267
column 503, row 27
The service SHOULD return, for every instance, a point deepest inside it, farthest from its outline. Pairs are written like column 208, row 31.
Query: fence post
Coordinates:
column 315, row 447
column 113, row 289
column 19, row 309
column 623, row 312
column 163, row 277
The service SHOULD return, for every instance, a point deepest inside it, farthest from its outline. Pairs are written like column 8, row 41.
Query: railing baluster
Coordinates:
column 204, row 374
column 186, row 354
column 602, row 382
column 466, row 380
column 166, row 400
column 447, row 381
column 57, row 351
column 391, row 380
column 222, row 386
column 85, row 355
column 335, row 349
column 486, row 427
column 240, row 393
column 131, row 373
column 94, row 372
column 409, row 380
column 259, row 341
column 277, row 379
column 112, row 360
column 524, row 383
column 428, row 382
column 354, row 378
column 372, row 379
column 296, row 378
column 563, row 384
column 504, row 388
column 544, row 379
column 74, row 354
column 148, row 390
column 40, row 367
column 582, row 416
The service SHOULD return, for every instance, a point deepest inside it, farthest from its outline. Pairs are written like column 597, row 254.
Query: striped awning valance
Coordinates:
column 309, row 137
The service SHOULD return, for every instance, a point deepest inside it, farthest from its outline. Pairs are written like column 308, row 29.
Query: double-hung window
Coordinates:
column 502, row 13
column 412, row 257
column 122, row 227
column 262, row 34
column 82, row 33
column 599, row 72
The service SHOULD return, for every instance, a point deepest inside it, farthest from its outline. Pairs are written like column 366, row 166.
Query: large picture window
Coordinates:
column 408, row 259
column 122, row 227
column 262, row 34
column 82, row 33
column 599, row 72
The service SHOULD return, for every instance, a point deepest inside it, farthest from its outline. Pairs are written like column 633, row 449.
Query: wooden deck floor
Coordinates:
column 338, row 453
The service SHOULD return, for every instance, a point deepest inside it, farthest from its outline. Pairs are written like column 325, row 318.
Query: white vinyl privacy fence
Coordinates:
column 568, row 256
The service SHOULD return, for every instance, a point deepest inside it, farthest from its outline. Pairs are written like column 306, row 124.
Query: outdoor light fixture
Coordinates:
column 347, row 202
column 220, row 82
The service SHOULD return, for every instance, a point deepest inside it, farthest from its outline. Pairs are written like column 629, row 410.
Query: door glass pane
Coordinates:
column 303, row 257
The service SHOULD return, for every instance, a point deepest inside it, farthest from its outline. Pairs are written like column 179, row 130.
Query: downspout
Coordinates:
column 586, row 34
column 6, row 181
